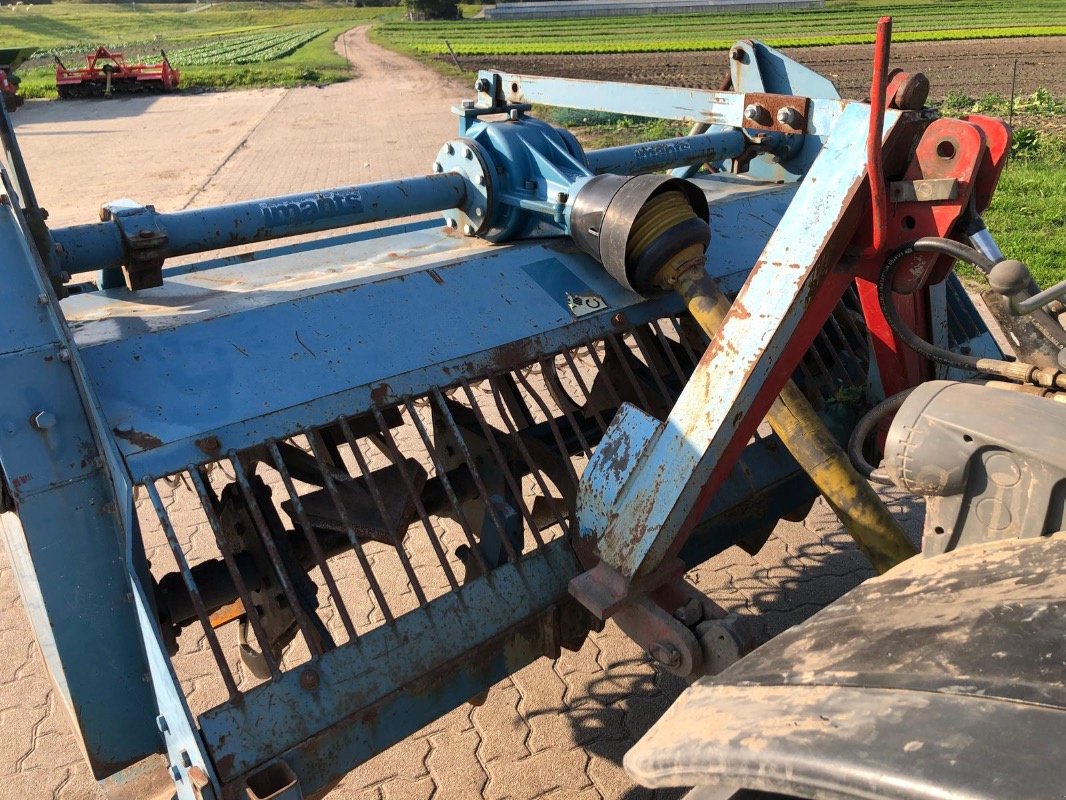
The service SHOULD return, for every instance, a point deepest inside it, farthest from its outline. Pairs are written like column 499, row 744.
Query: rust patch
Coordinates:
column 512, row 356
column 380, row 394
column 143, row 440
column 435, row 276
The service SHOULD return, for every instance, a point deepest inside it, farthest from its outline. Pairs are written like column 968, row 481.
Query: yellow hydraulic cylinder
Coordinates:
column 795, row 422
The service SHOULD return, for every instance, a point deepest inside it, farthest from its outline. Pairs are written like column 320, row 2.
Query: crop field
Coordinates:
column 216, row 45
column 839, row 23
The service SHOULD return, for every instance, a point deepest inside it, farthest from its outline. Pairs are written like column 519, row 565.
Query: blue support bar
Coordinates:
column 106, row 245
column 636, row 159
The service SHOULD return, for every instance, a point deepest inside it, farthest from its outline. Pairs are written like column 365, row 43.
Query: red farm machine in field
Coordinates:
column 10, row 59
column 106, row 73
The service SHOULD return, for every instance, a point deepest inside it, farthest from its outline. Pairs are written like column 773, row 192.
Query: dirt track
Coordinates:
column 974, row 67
column 554, row 730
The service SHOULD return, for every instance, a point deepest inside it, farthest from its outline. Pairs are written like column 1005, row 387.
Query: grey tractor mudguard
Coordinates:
column 943, row 678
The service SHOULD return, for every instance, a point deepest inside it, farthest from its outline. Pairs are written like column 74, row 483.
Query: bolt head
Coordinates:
column 562, row 197
column 209, row 444
column 738, row 54
column 43, row 420
column 787, row 115
column 438, row 167
column 513, row 116
column 452, row 223
column 309, row 679
column 468, row 153
column 481, row 181
column 186, row 759
column 482, row 85
column 161, row 723
column 468, row 229
column 175, row 773
column 449, row 149
column 753, row 112
column 468, row 104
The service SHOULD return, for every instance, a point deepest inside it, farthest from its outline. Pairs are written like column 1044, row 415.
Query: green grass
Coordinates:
column 141, row 30
column 1028, row 215
column 839, row 22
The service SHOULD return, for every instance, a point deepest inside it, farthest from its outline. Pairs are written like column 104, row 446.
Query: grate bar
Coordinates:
column 416, row 497
column 192, row 588
column 314, row 643
column 490, row 507
column 208, row 501
column 312, row 539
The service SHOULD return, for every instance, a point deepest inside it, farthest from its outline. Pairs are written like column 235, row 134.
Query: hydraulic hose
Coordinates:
column 862, row 431
column 1011, row 370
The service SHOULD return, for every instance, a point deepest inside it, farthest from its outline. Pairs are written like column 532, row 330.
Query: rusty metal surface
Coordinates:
column 776, row 112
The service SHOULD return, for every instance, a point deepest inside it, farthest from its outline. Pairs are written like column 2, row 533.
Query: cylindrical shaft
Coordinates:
column 100, row 245
column 637, row 159
column 795, row 422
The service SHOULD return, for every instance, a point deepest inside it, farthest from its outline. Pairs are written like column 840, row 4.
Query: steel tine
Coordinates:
column 449, row 420
column 416, row 498
column 442, row 473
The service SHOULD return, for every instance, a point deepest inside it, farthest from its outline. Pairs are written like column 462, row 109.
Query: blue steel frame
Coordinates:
column 90, row 409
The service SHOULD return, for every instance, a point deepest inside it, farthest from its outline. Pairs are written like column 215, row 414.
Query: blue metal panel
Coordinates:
column 281, row 714
column 340, row 341
column 77, row 599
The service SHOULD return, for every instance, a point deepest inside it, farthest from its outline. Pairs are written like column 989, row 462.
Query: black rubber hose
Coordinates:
column 862, row 431
column 929, row 244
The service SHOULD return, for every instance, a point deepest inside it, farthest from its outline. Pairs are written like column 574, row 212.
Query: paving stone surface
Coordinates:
column 555, row 729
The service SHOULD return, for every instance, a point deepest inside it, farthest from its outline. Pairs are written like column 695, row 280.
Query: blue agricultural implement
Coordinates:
column 365, row 477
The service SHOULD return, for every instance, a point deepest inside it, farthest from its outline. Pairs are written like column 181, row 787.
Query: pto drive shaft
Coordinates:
column 651, row 233
column 805, row 436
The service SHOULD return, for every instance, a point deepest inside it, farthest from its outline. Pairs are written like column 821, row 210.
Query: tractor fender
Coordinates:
column 944, row 677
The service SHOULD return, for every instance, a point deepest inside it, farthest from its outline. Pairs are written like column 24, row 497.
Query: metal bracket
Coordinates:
column 923, row 191
column 779, row 113
column 145, row 242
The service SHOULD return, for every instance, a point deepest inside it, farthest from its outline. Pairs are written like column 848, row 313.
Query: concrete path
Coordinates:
column 554, row 730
